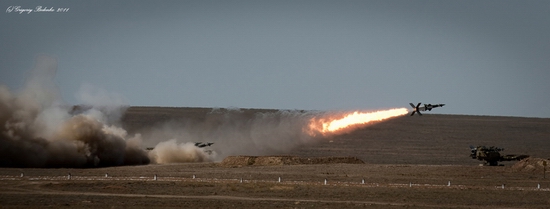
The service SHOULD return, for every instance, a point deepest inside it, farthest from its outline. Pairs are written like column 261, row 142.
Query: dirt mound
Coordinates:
column 237, row 161
column 531, row 164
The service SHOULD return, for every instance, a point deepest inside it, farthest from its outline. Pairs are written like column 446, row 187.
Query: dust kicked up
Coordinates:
column 39, row 130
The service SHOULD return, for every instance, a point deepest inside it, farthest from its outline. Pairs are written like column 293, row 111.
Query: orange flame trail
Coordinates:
column 326, row 126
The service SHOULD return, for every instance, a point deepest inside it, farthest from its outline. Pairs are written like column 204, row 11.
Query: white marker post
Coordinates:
column 538, row 186
column 362, row 181
column 449, row 184
column 193, row 176
column 241, row 180
column 325, row 181
column 410, row 184
column 155, row 177
column 69, row 176
column 279, row 179
column 22, row 174
column 106, row 175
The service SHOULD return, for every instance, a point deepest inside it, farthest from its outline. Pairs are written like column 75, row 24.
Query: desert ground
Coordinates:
column 409, row 162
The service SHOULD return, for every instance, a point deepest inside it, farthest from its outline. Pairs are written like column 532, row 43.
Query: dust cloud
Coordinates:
column 172, row 152
column 239, row 132
column 37, row 129
column 244, row 132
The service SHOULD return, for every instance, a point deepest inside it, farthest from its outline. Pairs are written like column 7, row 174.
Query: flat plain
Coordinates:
column 410, row 162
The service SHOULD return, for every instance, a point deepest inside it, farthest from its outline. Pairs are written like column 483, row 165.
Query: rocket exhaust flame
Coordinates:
column 343, row 122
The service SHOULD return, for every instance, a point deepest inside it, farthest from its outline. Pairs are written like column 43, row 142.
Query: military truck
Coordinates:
column 491, row 155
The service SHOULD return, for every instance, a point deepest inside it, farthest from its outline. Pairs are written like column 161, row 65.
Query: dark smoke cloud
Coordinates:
column 38, row 131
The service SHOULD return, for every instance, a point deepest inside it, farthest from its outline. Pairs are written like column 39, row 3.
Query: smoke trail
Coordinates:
column 234, row 132
column 38, row 131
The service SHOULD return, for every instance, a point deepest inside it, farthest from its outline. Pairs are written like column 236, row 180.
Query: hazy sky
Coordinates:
column 478, row 57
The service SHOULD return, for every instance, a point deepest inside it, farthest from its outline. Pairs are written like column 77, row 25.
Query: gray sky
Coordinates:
column 478, row 57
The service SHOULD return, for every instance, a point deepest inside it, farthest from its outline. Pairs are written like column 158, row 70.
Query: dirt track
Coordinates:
column 385, row 186
column 409, row 163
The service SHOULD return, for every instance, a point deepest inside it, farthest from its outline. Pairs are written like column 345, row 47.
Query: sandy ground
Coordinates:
column 410, row 162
